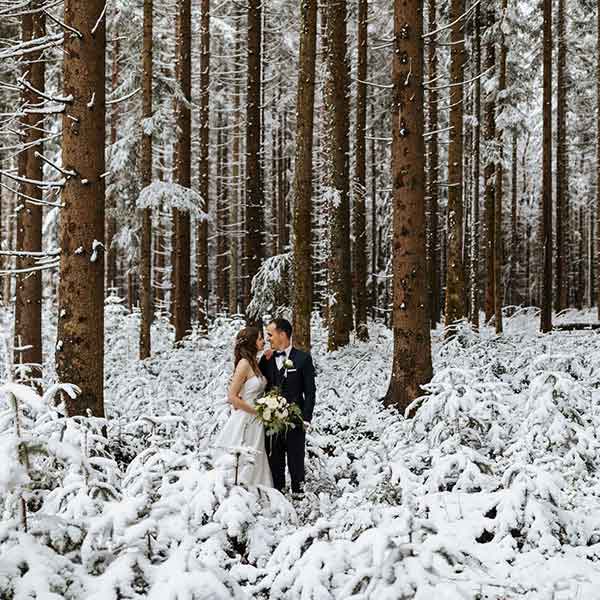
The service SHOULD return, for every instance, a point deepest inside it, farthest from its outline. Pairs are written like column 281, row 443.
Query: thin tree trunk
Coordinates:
column 203, row 165
column 374, row 270
column 336, row 178
column 28, row 292
column 254, row 249
column 598, row 163
column 302, row 300
column 562, row 184
column 515, row 297
column 80, row 346
column 181, row 220
column 222, row 210
column 546, row 314
column 475, row 225
column 455, row 281
column 146, row 175
column 411, row 366
column 359, row 220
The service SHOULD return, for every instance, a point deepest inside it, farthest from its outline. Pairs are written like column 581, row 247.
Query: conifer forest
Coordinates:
column 399, row 199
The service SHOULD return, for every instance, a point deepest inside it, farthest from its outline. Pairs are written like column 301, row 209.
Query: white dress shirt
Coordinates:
column 279, row 360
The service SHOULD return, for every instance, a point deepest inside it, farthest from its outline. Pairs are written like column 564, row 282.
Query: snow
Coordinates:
column 490, row 491
column 162, row 195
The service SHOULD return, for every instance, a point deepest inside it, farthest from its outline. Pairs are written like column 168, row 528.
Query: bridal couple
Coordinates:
column 291, row 371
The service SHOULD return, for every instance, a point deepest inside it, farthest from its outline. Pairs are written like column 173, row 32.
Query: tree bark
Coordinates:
column 475, row 225
column 515, row 297
column 254, row 249
column 598, row 164
column 203, row 165
column 146, row 303
column 455, row 280
column 181, row 220
column 546, row 314
column 562, row 184
column 411, row 366
column 80, row 347
column 359, row 220
column 28, row 292
column 337, row 178
column 302, row 300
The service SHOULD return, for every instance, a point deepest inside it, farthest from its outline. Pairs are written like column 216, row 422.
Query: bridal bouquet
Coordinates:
column 276, row 413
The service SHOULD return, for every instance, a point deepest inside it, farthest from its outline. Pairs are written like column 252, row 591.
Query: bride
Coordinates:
column 243, row 436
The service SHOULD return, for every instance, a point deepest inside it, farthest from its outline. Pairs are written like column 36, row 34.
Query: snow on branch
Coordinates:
column 172, row 195
column 270, row 286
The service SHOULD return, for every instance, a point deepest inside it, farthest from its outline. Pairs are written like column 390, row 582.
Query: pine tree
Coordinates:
column 455, row 281
column 411, row 366
column 146, row 303
column 546, row 315
column 80, row 345
column 302, row 301
column 359, row 219
column 204, row 164
column 28, row 293
column 336, row 177
column 181, row 220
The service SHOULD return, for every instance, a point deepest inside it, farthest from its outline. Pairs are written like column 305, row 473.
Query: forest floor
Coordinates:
column 491, row 491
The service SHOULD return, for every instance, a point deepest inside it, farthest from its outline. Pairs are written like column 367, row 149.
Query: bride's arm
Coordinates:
column 239, row 377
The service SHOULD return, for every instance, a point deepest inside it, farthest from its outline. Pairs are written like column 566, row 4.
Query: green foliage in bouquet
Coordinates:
column 277, row 414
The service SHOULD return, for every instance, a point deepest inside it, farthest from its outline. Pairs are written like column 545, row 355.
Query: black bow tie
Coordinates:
column 278, row 353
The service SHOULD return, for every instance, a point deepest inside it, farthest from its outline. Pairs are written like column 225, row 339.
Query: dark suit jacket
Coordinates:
column 298, row 385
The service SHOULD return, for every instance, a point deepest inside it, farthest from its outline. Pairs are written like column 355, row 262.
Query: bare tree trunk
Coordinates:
column 28, row 293
column 222, row 211
column 204, row 165
column 546, row 315
column 455, row 281
column 302, row 301
column 373, row 244
column 475, row 225
column 515, row 297
column 499, row 191
column 489, row 179
column 80, row 346
column 181, row 220
column 146, row 173
column 562, row 184
column 336, row 178
column 598, row 164
column 254, row 249
column 359, row 233
column 411, row 366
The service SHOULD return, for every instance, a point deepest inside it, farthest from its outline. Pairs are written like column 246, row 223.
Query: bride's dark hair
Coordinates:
column 245, row 347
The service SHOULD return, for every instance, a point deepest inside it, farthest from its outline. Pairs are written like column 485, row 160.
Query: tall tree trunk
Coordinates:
column 302, row 301
column 515, row 297
column 373, row 244
column 146, row 173
column 203, row 165
column 28, row 298
column 455, row 281
column 499, row 191
column 80, row 346
column 254, row 249
column 475, row 225
column 336, row 178
column 411, row 366
column 489, row 179
column 598, row 163
column 181, row 220
column 562, row 184
column 546, row 315
column 359, row 219
column 433, row 170
column 222, row 210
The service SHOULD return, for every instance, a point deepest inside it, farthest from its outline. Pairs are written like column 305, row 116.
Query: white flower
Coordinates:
column 284, row 413
column 272, row 402
column 288, row 364
column 260, row 401
column 267, row 414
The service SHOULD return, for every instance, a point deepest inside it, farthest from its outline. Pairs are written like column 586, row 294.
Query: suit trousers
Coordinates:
column 292, row 445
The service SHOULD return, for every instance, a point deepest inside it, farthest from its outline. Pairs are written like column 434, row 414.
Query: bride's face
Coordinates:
column 260, row 342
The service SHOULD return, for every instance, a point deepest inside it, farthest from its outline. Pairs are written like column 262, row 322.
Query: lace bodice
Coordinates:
column 253, row 389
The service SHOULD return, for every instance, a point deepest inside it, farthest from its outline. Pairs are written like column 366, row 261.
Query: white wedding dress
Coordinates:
column 242, row 439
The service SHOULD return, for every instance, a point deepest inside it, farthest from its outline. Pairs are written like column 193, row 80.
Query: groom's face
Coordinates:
column 277, row 338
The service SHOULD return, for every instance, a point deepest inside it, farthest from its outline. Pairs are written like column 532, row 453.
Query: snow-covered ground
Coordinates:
column 491, row 491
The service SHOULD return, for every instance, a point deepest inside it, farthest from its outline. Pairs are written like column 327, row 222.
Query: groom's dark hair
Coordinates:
column 283, row 325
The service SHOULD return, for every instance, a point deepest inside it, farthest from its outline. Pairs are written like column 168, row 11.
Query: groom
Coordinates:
column 292, row 371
